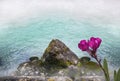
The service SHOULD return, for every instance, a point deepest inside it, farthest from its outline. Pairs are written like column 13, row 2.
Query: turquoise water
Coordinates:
column 19, row 41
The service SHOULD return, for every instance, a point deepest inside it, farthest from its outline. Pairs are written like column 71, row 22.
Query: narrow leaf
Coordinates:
column 105, row 66
column 115, row 74
column 118, row 75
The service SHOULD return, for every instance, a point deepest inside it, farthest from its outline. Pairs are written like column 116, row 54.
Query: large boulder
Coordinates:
column 58, row 54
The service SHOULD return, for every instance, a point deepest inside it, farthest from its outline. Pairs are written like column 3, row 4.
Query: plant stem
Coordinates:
column 99, row 62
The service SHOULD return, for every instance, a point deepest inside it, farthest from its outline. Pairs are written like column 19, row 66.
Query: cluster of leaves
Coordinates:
column 116, row 73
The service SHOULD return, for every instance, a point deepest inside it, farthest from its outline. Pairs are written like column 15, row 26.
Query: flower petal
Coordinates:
column 83, row 45
column 94, row 43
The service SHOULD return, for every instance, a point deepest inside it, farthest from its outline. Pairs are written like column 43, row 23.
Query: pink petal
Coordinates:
column 94, row 43
column 83, row 45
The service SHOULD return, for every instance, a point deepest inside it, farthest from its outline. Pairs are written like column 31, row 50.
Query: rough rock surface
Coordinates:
column 31, row 68
column 58, row 53
column 53, row 78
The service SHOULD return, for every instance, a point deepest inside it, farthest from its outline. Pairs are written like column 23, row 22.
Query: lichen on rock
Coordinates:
column 59, row 54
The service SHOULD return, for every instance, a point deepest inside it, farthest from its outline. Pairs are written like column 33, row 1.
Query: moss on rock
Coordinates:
column 33, row 58
column 57, row 53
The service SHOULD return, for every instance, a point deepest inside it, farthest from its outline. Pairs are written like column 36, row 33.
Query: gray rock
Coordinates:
column 33, row 68
column 85, row 59
column 22, row 78
column 33, row 58
column 59, row 78
column 52, row 78
column 57, row 53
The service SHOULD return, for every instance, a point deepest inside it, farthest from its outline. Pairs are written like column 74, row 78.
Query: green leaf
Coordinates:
column 115, row 74
column 118, row 75
column 105, row 66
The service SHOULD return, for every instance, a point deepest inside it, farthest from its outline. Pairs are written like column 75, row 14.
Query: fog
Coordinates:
column 12, row 10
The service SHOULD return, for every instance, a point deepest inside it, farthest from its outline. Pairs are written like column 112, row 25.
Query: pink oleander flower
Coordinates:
column 94, row 43
column 90, row 45
column 83, row 45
